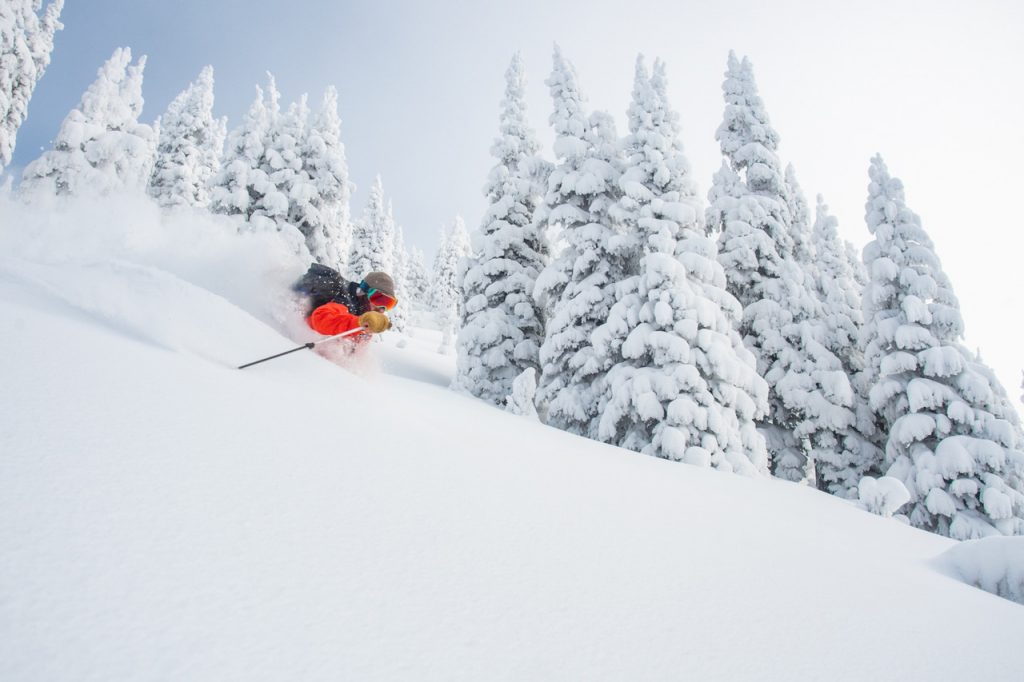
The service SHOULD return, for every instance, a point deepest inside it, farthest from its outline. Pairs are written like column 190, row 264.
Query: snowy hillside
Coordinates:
column 166, row 516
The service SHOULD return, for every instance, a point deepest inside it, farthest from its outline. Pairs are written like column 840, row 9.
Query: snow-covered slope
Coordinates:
column 165, row 516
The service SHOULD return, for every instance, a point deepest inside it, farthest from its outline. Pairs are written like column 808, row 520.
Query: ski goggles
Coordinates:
column 378, row 299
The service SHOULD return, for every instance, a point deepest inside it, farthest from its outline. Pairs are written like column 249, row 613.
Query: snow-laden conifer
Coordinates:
column 189, row 148
column 799, row 221
column 596, row 261
column 399, row 269
column 682, row 386
column 290, row 185
column 820, row 387
column 501, row 329
column 417, row 280
column 752, row 209
column 260, row 168
column 953, row 438
column 447, row 295
column 324, row 215
column 26, row 42
column 243, row 187
column 233, row 187
column 101, row 147
column 372, row 237
column 575, row 287
column 842, row 453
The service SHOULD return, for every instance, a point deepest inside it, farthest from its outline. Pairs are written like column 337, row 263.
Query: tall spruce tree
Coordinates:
column 254, row 163
column 448, row 268
column 761, row 246
column 26, row 42
column 189, row 148
column 952, row 437
column 101, row 147
column 680, row 385
column 799, row 222
column 290, row 186
column 574, row 287
column 419, row 286
column 842, row 453
column 324, row 215
column 372, row 237
column 501, row 329
column 399, row 266
column 233, row 188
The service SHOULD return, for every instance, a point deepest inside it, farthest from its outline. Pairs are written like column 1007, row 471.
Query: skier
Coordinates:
column 338, row 305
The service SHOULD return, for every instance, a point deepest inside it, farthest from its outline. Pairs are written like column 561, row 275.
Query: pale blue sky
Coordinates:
column 934, row 85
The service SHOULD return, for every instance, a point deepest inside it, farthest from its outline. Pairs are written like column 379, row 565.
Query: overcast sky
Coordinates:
column 933, row 85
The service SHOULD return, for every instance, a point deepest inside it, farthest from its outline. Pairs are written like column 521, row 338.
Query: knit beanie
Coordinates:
column 381, row 281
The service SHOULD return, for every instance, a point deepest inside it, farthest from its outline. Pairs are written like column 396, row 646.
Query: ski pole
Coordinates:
column 350, row 332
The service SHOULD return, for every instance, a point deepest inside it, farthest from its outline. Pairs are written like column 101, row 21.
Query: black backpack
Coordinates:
column 323, row 285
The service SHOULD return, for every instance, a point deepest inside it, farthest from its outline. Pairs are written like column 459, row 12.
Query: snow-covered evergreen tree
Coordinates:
column 682, row 386
column 799, row 221
column 501, row 329
column 189, row 148
column 953, row 438
column 418, row 280
column 233, row 188
column 253, row 182
column 101, row 146
column 324, row 216
column 26, row 42
column 842, row 454
column 856, row 263
column 372, row 237
column 400, row 259
column 575, row 288
column 447, row 293
column 593, row 262
column 291, row 189
column 752, row 207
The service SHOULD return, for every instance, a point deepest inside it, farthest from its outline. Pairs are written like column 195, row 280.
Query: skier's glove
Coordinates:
column 374, row 322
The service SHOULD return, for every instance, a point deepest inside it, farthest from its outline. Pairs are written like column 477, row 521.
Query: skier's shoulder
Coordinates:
column 322, row 284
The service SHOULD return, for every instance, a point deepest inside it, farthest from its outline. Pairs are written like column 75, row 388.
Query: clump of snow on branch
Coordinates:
column 882, row 496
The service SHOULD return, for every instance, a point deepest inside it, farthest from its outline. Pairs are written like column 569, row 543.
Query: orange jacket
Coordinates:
column 333, row 318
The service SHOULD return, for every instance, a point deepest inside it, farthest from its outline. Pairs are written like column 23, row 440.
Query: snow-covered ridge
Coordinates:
column 164, row 515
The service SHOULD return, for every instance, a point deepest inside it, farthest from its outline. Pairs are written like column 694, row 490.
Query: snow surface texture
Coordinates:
column 994, row 564
column 166, row 516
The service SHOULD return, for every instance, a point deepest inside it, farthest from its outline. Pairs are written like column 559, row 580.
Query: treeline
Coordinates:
column 738, row 332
